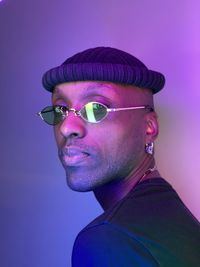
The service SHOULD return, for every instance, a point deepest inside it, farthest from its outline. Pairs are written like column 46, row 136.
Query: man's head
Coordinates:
column 97, row 153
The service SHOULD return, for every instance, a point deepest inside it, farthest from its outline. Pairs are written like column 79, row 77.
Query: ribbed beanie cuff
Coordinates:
column 104, row 64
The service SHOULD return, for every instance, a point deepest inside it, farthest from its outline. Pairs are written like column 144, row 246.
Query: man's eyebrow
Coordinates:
column 90, row 87
column 98, row 87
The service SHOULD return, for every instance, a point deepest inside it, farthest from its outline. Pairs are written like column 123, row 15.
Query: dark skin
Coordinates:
column 108, row 157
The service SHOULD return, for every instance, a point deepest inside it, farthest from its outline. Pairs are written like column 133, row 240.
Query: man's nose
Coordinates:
column 73, row 126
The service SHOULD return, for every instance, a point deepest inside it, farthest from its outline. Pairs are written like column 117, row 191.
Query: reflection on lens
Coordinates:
column 52, row 115
column 94, row 112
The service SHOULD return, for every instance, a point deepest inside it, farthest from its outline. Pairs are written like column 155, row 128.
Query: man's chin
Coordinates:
column 82, row 179
column 79, row 186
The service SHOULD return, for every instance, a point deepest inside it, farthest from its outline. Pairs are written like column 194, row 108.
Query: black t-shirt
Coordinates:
column 149, row 227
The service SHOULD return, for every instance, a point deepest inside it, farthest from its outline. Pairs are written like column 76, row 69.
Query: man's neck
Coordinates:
column 108, row 195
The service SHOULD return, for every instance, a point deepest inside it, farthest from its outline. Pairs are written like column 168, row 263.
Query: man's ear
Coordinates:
column 152, row 128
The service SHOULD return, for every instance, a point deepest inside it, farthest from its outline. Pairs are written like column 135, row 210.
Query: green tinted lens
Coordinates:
column 53, row 114
column 93, row 112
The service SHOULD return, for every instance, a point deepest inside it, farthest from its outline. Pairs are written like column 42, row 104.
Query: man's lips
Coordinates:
column 72, row 156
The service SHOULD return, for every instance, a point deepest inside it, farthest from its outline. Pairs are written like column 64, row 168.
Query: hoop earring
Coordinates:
column 149, row 148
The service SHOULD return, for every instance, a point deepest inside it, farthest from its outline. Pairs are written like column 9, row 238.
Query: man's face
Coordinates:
column 94, row 154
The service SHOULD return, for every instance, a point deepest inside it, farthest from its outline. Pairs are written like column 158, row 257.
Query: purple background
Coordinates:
column 40, row 216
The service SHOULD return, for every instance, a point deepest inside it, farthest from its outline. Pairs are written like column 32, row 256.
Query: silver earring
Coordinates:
column 149, row 148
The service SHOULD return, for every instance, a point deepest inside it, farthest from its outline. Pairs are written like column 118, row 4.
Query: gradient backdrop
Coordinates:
column 40, row 216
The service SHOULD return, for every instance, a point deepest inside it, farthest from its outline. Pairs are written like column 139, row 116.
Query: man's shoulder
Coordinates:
column 106, row 245
column 150, row 219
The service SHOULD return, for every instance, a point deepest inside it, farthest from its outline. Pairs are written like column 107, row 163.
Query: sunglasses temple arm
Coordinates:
column 40, row 114
column 128, row 108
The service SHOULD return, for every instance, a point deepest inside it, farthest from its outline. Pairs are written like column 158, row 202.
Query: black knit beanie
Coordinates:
column 104, row 64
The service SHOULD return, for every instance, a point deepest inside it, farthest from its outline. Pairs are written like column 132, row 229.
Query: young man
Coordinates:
column 105, row 127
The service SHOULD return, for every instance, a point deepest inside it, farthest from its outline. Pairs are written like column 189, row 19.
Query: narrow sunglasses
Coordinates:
column 92, row 112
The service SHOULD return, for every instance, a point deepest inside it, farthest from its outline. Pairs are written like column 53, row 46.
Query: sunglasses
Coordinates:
column 92, row 112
